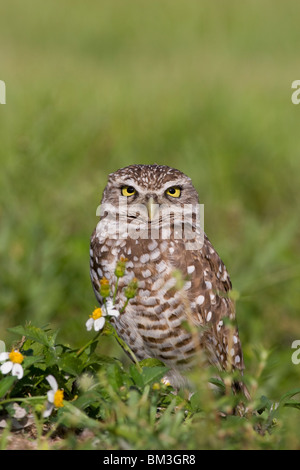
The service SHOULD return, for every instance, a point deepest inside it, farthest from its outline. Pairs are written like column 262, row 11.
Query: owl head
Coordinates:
column 151, row 186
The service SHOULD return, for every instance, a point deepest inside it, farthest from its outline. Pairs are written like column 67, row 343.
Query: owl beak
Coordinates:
column 152, row 208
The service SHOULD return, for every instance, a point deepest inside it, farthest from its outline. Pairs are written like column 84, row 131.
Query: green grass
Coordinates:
column 111, row 407
column 206, row 88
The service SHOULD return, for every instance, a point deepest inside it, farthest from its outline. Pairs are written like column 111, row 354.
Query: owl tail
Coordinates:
column 240, row 388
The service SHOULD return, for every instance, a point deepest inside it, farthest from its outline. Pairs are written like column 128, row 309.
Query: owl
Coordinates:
column 149, row 216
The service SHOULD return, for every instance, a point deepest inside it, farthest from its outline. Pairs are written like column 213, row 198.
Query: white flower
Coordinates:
column 55, row 396
column 13, row 361
column 111, row 310
column 97, row 319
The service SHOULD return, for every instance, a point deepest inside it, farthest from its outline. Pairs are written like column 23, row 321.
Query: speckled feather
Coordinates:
column 154, row 322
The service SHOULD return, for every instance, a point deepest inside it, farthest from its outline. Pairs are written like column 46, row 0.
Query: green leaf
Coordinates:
column 136, row 376
column 29, row 360
column 5, row 384
column 34, row 333
column 292, row 404
column 288, row 395
column 153, row 374
column 87, row 399
column 50, row 358
column 219, row 383
column 265, row 404
column 71, row 364
column 195, row 402
column 115, row 376
column 151, row 362
column 71, row 416
column 100, row 360
column 148, row 374
column 18, row 330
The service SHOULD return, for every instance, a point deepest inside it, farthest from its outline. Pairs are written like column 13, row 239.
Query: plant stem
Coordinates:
column 80, row 351
column 127, row 349
column 124, row 306
column 12, row 400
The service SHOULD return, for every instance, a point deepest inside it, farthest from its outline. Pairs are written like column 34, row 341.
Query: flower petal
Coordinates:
column 17, row 370
column 4, row 356
column 48, row 410
column 6, row 367
column 111, row 310
column 52, row 382
column 89, row 324
column 109, row 304
column 99, row 324
column 50, row 396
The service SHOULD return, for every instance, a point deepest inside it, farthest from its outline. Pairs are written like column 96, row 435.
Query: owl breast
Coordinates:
column 156, row 322
column 152, row 323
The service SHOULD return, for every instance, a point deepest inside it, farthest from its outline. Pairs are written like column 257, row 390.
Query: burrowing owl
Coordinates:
column 145, row 213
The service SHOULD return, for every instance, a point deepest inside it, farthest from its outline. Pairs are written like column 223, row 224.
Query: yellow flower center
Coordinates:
column 97, row 313
column 16, row 357
column 58, row 398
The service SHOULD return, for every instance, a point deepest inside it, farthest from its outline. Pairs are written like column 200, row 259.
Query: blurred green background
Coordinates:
column 204, row 87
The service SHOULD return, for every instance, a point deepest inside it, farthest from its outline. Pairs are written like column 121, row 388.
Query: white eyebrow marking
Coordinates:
column 176, row 182
column 130, row 182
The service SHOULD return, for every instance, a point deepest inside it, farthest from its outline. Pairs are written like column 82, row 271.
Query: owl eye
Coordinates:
column 128, row 191
column 174, row 191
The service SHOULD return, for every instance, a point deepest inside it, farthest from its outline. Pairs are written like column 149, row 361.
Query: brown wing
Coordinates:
column 208, row 287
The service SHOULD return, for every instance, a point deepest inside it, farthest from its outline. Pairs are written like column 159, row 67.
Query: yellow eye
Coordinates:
column 174, row 191
column 128, row 191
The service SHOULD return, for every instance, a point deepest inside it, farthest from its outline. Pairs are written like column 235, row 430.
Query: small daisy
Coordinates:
column 165, row 381
column 13, row 363
column 55, row 396
column 110, row 308
column 97, row 319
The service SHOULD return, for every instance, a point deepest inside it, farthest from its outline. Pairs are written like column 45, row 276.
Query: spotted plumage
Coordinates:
column 154, row 323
